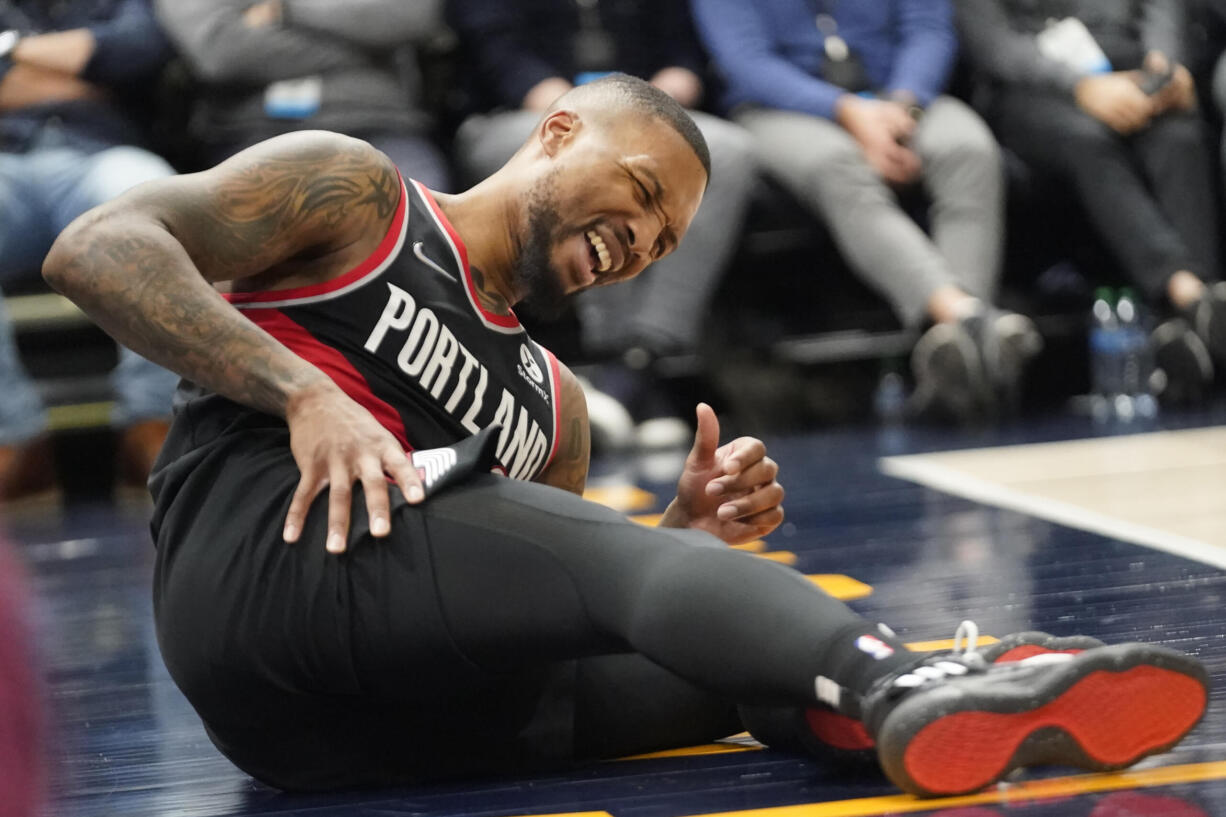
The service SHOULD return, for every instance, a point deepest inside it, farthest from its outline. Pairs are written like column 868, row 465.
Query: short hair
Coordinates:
column 645, row 98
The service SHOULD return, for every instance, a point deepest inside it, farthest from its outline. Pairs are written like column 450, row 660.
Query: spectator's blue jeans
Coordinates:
column 41, row 191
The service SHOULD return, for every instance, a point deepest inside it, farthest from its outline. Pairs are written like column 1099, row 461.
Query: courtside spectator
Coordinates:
column 847, row 109
column 67, row 144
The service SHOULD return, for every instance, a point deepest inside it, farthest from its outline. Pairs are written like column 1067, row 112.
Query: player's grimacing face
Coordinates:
column 625, row 195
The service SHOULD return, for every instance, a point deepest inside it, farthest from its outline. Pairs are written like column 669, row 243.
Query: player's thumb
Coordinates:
column 706, row 437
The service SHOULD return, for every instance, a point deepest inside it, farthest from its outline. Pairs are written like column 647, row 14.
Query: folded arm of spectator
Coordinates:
column 25, row 85
column 926, row 52
column 222, row 47
column 127, row 46
column 741, row 45
column 499, row 55
column 381, row 24
column 1006, row 55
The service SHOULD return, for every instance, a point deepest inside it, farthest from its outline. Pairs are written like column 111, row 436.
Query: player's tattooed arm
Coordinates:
column 292, row 211
column 570, row 465
column 141, row 266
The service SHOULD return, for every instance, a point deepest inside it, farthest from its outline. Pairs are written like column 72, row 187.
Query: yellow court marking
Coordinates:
column 624, row 498
column 783, row 557
column 843, row 588
column 698, row 751
column 648, row 519
column 1029, row 791
column 756, row 546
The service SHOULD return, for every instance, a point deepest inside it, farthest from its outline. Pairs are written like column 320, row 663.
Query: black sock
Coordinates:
column 855, row 657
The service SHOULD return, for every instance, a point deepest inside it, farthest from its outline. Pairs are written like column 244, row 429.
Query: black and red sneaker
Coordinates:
column 826, row 733
column 954, row 723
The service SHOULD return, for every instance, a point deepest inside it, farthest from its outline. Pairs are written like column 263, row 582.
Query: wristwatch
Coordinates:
column 8, row 41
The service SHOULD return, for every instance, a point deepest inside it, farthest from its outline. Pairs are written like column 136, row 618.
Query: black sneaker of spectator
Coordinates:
column 1207, row 317
column 1183, row 360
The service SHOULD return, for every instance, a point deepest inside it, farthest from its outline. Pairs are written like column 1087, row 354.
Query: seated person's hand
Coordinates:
column 542, row 95
column 1179, row 94
column 1116, row 100
column 261, row 14
column 681, row 84
column 883, row 129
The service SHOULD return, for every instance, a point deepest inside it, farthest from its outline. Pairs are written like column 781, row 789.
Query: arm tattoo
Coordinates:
column 570, row 466
column 267, row 208
column 138, row 266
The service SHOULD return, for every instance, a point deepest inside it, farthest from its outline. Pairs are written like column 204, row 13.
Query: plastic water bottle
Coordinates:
column 1106, row 357
column 1136, row 399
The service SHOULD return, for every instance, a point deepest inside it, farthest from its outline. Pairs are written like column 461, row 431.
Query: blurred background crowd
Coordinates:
column 914, row 204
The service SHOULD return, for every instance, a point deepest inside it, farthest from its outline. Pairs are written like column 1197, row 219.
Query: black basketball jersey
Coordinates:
column 405, row 336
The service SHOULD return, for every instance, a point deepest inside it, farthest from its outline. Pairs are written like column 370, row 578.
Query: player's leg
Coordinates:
column 628, row 705
column 539, row 574
column 575, row 576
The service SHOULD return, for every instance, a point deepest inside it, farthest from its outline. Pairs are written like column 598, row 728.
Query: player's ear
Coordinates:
column 558, row 130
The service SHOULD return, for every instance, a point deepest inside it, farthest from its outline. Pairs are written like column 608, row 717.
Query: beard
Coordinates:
column 543, row 295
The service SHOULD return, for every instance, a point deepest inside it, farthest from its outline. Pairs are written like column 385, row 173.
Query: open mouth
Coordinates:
column 602, row 259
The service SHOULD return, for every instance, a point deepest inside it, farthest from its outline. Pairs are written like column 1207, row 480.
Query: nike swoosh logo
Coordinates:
column 421, row 256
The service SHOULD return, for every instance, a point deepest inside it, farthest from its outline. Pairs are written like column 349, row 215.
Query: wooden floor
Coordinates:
column 1050, row 525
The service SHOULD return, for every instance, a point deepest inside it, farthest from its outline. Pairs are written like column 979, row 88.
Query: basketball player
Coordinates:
column 379, row 635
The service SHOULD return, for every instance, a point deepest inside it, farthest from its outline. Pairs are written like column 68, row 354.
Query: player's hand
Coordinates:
column 883, row 129
column 336, row 443
column 728, row 490
column 1116, row 100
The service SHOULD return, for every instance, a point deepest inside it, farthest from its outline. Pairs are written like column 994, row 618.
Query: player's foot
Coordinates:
column 827, row 733
column 823, row 732
column 955, row 723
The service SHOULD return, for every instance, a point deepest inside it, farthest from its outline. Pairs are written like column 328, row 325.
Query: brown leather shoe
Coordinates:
column 138, row 448
column 27, row 471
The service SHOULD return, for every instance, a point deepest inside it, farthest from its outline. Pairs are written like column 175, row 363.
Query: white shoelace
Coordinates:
column 965, row 650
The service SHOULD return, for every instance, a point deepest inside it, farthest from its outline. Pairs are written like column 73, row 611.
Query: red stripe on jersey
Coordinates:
column 390, row 240
column 505, row 321
column 556, row 376
column 335, row 365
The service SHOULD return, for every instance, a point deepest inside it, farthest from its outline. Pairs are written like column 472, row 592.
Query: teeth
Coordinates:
column 602, row 251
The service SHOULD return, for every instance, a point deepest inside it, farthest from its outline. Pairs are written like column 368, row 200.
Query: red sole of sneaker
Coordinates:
column 1113, row 719
column 837, row 730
